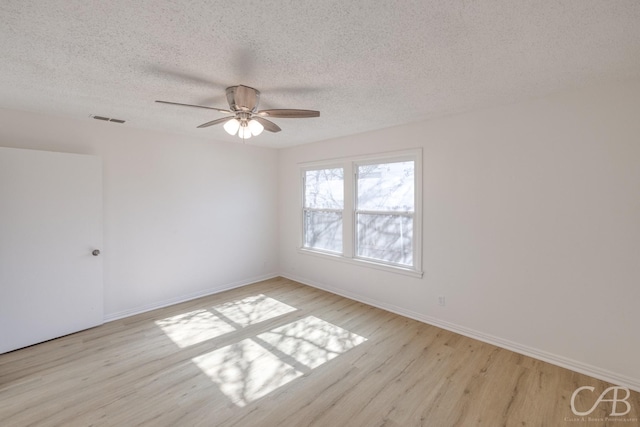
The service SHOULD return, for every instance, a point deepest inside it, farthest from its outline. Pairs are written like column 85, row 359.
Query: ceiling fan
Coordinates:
column 244, row 117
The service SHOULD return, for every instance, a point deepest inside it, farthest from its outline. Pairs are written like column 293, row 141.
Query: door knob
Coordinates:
column 95, row 252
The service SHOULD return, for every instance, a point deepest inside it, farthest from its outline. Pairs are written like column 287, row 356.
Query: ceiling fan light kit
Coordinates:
column 246, row 120
column 232, row 126
column 255, row 127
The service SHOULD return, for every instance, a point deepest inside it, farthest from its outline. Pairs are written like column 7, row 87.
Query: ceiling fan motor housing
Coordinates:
column 243, row 98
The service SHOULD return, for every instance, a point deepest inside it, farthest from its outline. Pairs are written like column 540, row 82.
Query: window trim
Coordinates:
column 349, row 212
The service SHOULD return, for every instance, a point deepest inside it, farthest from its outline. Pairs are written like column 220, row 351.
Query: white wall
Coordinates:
column 531, row 228
column 183, row 217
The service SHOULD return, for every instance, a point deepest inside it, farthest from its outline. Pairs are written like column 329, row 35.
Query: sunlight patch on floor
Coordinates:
column 251, row 310
column 194, row 327
column 254, row 367
column 246, row 371
column 312, row 341
column 265, row 361
column 201, row 325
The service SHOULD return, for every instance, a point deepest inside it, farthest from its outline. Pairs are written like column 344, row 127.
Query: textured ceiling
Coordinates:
column 364, row 64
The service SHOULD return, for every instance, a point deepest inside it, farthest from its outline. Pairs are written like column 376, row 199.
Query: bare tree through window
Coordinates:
column 323, row 206
column 384, row 212
column 378, row 222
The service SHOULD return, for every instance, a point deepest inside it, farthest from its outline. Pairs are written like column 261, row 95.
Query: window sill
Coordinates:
column 362, row 263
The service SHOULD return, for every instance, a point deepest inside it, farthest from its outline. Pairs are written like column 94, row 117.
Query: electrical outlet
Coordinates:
column 441, row 301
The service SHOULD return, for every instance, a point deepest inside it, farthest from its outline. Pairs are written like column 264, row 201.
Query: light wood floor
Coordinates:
column 278, row 353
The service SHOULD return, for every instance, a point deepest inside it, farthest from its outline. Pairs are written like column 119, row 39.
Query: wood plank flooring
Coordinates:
column 278, row 353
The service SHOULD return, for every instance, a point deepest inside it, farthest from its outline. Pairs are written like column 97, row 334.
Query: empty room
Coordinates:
column 275, row 213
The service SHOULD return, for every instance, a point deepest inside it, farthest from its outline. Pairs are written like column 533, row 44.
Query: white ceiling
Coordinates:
column 364, row 64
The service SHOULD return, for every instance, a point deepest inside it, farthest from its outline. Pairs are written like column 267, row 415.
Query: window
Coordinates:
column 384, row 212
column 365, row 210
column 323, row 206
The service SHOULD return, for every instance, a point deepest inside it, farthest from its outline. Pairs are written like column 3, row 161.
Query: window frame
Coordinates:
column 349, row 213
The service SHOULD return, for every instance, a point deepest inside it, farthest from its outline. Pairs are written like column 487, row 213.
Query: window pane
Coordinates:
column 386, row 187
column 324, row 189
column 387, row 238
column 323, row 230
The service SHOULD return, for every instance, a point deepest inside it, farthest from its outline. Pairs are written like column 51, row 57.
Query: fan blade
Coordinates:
column 216, row 122
column 289, row 114
column 184, row 76
column 270, row 126
column 197, row 106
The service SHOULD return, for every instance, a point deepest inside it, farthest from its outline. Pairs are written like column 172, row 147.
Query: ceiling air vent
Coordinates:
column 107, row 119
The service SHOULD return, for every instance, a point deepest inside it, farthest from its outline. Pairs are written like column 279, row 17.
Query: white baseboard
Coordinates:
column 188, row 297
column 554, row 359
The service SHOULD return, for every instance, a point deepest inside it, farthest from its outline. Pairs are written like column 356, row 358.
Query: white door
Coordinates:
column 50, row 223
